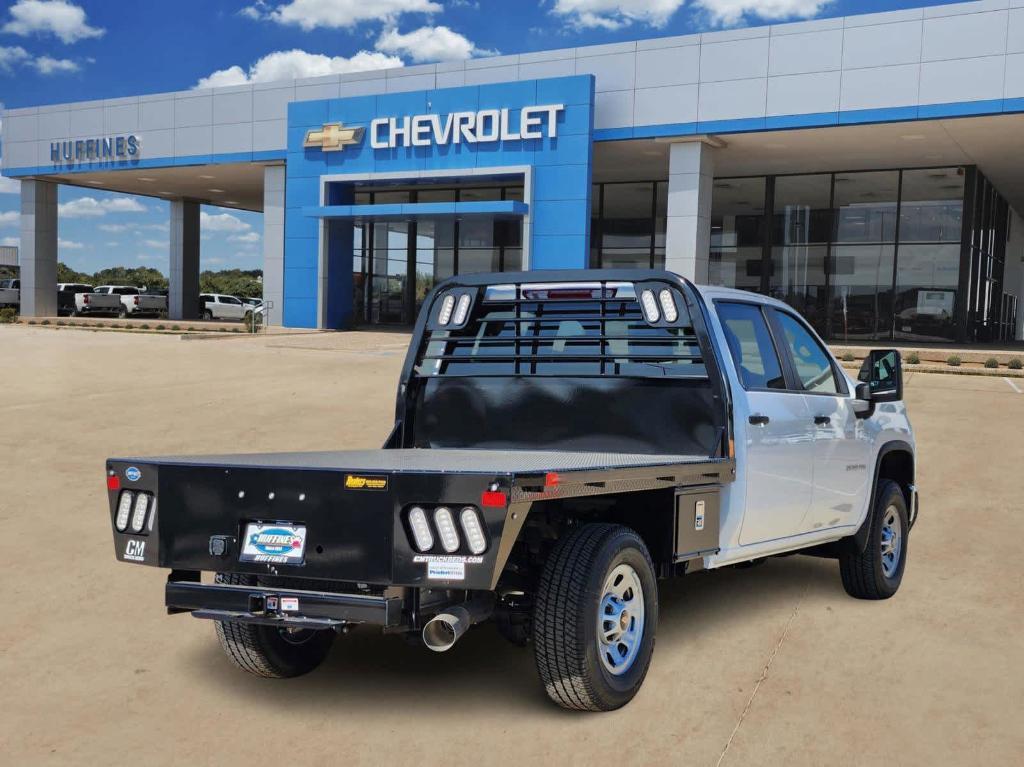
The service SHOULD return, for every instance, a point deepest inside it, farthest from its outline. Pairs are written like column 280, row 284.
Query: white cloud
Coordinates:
column 10, row 242
column 247, row 237
column 429, row 44
column 221, row 222
column 616, row 14
column 338, row 14
column 732, row 11
column 56, row 17
column 287, row 65
column 9, row 185
column 11, row 55
column 9, row 217
column 115, row 227
column 47, row 65
column 154, row 243
column 87, row 207
column 69, row 245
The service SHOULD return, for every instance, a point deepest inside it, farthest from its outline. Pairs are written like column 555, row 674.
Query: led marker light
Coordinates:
column 124, row 508
column 462, row 310
column 139, row 517
column 650, row 306
column 473, row 530
column 446, row 528
column 421, row 534
column 668, row 306
column 445, row 315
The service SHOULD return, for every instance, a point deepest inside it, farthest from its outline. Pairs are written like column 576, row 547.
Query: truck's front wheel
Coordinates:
column 876, row 572
column 269, row 651
column 595, row 618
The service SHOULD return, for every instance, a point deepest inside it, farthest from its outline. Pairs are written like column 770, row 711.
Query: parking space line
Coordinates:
column 1013, row 386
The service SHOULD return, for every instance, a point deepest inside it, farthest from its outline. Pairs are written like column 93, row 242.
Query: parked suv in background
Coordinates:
column 215, row 306
column 10, row 293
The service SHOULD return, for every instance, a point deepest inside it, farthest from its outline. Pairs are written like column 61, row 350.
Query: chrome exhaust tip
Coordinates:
column 443, row 630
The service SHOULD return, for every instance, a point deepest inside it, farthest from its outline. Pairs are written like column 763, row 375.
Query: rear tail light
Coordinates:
column 135, row 300
column 141, row 508
column 85, row 298
column 473, row 529
column 446, row 529
column 422, row 537
column 650, row 306
column 445, row 315
column 124, row 508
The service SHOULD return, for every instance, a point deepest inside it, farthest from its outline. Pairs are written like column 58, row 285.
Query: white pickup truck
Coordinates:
column 122, row 300
column 562, row 440
column 10, row 293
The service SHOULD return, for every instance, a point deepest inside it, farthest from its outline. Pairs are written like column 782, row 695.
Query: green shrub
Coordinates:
column 8, row 314
column 45, row 322
column 1015, row 364
column 144, row 326
column 31, row 322
column 953, row 360
column 991, row 362
column 191, row 329
column 61, row 323
column 848, row 357
column 160, row 327
column 175, row 327
column 913, row 358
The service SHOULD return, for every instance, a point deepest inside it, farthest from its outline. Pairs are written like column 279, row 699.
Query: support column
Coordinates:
column 335, row 289
column 688, row 228
column 183, row 301
column 37, row 255
column 273, row 242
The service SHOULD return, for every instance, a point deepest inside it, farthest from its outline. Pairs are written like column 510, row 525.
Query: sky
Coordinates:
column 54, row 51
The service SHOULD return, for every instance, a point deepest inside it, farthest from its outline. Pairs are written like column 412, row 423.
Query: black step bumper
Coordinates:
column 281, row 607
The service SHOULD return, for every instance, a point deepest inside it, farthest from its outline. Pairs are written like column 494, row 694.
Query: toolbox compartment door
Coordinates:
column 697, row 522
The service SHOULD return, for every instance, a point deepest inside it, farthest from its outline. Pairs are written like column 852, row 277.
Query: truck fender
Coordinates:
column 859, row 540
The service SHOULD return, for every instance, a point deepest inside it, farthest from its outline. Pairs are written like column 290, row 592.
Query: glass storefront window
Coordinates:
column 865, row 206
column 737, row 211
column 926, row 286
column 861, row 292
column 801, row 230
column 932, row 205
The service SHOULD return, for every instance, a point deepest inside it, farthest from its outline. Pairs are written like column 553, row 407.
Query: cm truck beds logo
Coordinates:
column 135, row 550
column 361, row 482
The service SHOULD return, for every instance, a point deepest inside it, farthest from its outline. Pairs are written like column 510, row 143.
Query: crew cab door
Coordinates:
column 842, row 447
column 777, row 454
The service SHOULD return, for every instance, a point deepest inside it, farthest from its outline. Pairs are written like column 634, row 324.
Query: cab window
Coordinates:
column 810, row 360
column 751, row 346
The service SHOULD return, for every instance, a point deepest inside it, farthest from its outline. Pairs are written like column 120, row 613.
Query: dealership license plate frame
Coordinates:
column 252, row 551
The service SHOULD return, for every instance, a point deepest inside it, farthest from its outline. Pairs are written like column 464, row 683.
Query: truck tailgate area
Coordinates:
column 352, row 505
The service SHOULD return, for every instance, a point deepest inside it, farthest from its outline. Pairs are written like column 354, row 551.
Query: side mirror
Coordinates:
column 863, row 407
column 882, row 372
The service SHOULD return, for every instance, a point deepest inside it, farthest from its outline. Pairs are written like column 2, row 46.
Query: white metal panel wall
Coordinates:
column 952, row 53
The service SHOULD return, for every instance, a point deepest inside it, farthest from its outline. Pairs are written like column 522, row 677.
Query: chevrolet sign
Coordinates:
column 332, row 137
column 484, row 126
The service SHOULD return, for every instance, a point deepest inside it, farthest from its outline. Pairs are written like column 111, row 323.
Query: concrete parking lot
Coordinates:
column 763, row 666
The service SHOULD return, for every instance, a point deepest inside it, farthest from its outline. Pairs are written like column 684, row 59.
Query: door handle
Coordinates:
column 822, row 420
column 758, row 420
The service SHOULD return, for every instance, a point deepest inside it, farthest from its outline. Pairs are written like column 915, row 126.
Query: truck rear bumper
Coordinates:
column 281, row 607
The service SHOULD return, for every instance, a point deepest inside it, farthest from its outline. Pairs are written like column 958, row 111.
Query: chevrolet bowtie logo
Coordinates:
column 333, row 137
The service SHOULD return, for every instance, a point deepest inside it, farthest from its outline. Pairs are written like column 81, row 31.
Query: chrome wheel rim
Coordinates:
column 892, row 541
column 620, row 619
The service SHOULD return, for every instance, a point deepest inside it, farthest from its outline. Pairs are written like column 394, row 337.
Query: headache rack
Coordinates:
column 597, row 328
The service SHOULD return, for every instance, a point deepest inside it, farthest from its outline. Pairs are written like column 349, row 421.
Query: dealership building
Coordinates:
column 868, row 170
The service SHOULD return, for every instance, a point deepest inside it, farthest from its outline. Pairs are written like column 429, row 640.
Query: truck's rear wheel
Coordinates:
column 876, row 572
column 269, row 651
column 595, row 618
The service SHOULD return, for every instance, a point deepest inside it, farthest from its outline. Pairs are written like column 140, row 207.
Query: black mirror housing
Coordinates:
column 882, row 373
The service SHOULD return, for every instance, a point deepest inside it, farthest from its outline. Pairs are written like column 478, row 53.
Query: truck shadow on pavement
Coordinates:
column 379, row 673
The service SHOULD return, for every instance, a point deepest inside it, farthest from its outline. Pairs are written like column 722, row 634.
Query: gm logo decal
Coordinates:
column 333, row 137
column 132, row 474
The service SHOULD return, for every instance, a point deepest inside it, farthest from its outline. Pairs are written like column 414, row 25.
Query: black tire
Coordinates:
column 864, row 574
column 565, row 635
column 122, row 311
column 268, row 651
column 207, row 315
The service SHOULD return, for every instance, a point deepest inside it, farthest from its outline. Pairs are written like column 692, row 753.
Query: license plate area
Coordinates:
column 278, row 543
